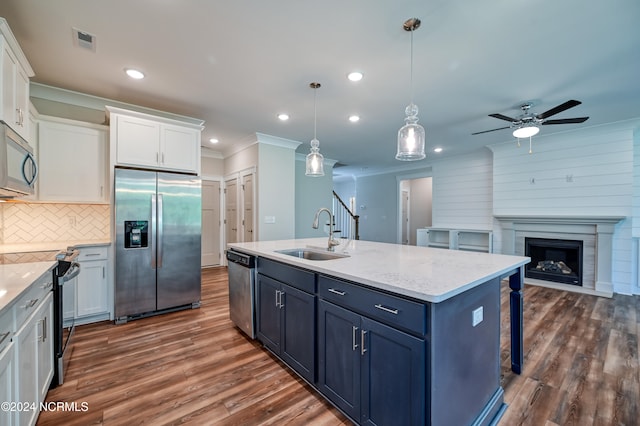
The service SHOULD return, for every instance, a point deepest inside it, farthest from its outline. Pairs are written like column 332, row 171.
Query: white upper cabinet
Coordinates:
column 72, row 157
column 15, row 72
column 142, row 140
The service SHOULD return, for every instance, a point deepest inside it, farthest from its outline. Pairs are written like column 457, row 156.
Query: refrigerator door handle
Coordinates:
column 159, row 233
column 152, row 231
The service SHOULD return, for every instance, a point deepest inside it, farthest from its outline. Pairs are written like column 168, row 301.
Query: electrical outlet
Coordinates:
column 478, row 316
column 269, row 219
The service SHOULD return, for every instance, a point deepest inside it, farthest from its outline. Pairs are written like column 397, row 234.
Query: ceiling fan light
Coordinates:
column 526, row 131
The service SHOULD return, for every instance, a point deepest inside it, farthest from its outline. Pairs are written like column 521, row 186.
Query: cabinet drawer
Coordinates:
column 299, row 278
column 395, row 311
column 29, row 301
column 92, row 253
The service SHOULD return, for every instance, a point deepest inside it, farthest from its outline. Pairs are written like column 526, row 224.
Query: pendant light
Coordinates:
column 315, row 160
column 411, row 136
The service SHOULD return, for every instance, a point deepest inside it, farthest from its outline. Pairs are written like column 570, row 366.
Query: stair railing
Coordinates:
column 347, row 223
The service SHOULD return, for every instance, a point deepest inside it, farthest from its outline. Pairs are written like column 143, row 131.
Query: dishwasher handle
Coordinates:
column 241, row 259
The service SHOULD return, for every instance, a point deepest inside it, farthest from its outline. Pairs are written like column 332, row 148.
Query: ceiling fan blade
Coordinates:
column 492, row 130
column 558, row 109
column 502, row 117
column 566, row 121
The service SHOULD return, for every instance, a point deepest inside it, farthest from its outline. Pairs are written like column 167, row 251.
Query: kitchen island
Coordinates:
column 390, row 334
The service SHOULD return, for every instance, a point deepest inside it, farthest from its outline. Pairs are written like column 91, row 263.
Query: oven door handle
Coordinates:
column 73, row 272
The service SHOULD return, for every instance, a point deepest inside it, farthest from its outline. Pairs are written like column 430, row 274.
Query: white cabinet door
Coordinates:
column 143, row 140
column 72, row 157
column 137, row 141
column 179, row 148
column 44, row 324
column 91, row 289
column 7, row 391
column 27, row 363
column 15, row 93
column 22, row 104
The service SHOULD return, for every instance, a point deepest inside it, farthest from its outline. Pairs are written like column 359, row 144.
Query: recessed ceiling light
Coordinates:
column 355, row 76
column 438, row 149
column 214, row 140
column 283, row 117
column 133, row 73
column 354, row 118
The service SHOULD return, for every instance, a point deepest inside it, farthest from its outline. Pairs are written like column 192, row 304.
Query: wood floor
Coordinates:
column 194, row 367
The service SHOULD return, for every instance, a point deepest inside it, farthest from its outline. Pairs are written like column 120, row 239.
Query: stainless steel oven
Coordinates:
column 66, row 269
column 63, row 314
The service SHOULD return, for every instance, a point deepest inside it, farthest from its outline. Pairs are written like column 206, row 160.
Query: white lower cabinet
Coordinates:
column 92, row 285
column 7, row 387
column 34, row 357
column 44, row 329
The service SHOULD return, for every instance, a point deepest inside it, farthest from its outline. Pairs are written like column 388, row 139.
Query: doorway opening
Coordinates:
column 415, row 207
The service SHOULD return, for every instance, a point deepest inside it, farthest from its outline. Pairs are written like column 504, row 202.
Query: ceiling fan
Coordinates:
column 527, row 124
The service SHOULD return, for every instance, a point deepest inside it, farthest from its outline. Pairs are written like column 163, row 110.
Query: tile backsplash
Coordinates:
column 37, row 223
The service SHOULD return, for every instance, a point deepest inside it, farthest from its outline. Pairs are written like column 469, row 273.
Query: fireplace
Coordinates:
column 554, row 260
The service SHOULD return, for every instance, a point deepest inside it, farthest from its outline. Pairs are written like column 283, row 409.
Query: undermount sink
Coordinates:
column 305, row 253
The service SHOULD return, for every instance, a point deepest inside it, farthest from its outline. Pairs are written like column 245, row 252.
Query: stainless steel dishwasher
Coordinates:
column 242, row 304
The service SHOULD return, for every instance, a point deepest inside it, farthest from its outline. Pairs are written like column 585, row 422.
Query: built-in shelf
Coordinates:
column 456, row 239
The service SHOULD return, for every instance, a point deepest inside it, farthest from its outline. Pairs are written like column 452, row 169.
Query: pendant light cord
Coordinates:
column 315, row 90
column 411, row 66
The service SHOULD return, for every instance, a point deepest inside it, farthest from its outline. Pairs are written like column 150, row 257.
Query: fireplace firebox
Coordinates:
column 554, row 260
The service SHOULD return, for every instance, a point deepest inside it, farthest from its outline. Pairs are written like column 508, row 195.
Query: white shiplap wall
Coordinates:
column 462, row 188
column 585, row 172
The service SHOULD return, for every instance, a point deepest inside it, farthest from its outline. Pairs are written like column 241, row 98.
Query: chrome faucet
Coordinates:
column 332, row 243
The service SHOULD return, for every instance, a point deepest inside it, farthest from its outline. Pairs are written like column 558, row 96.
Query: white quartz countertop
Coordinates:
column 16, row 278
column 51, row 245
column 424, row 273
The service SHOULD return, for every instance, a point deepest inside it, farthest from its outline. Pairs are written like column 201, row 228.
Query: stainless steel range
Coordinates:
column 66, row 269
column 64, row 326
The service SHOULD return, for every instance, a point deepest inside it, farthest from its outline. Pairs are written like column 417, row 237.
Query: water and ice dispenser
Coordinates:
column 136, row 233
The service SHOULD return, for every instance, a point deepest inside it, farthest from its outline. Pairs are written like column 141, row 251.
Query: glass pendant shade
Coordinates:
column 315, row 160
column 411, row 137
column 526, row 131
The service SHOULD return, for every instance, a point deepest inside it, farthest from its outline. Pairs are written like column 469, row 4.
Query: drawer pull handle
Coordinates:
column 389, row 310
column 4, row 336
column 47, row 286
column 92, row 254
column 30, row 303
column 338, row 292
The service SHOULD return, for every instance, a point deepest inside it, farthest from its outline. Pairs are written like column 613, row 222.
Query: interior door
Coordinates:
column 247, row 207
column 231, row 210
column 211, row 254
column 405, row 217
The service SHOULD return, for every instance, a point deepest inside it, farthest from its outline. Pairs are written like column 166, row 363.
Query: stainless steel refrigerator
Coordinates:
column 158, row 236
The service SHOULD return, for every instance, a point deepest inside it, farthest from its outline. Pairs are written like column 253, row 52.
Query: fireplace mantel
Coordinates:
column 601, row 227
column 573, row 220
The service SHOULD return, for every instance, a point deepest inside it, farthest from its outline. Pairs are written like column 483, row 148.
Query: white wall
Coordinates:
column 462, row 187
column 420, row 201
column 312, row 193
column 275, row 189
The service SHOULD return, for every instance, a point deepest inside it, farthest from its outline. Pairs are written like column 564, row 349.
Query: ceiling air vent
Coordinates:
column 84, row 39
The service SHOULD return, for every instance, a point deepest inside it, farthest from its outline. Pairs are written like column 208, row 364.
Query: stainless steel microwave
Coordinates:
column 18, row 168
